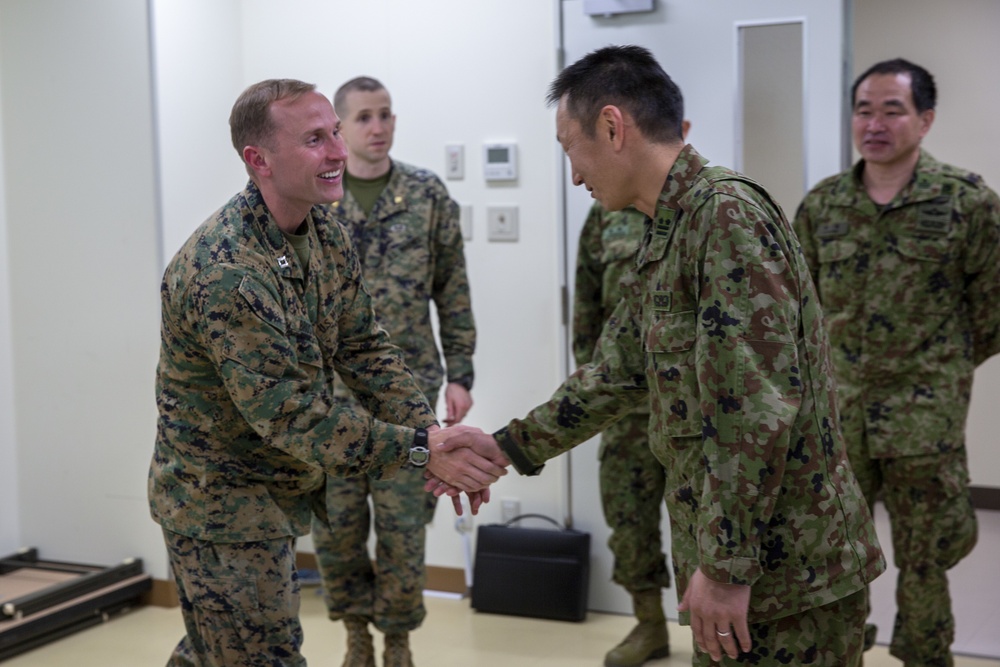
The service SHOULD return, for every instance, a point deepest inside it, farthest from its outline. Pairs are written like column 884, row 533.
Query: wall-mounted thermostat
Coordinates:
column 500, row 162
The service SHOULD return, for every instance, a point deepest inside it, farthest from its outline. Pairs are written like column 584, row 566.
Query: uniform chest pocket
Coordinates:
column 618, row 248
column 838, row 250
column 838, row 278
column 924, row 249
column 929, row 278
column 406, row 250
column 672, row 372
column 402, row 238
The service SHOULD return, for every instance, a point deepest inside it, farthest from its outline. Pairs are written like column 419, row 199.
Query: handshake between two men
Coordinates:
column 463, row 459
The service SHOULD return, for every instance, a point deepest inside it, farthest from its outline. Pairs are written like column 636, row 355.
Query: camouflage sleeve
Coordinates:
column 593, row 397
column 451, row 296
column 983, row 277
column 748, row 376
column 587, row 304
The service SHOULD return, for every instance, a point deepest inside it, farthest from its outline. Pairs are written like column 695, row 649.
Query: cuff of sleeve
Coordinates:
column 391, row 449
column 742, row 571
column 464, row 380
column 512, row 451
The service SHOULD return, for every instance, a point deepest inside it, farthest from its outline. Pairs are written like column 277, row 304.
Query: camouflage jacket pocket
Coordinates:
column 673, row 381
column 836, row 251
column 928, row 279
column 838, row 280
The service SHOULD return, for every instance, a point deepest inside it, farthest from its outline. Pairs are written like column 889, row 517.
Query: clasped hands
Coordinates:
column 463, row 459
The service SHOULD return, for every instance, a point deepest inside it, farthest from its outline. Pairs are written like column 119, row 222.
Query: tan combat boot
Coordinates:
column 360, row 651
column 648, row 640
column 397, row 650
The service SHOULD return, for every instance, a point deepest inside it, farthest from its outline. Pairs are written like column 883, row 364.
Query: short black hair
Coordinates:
column 629, row 78
column 922, row 86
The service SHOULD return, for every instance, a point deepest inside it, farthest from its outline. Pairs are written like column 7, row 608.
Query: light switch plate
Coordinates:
column 465, row 220
column 501, row 223
column 454, row 162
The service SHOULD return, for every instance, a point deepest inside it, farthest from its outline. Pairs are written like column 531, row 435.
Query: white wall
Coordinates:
column 80, row 213
column 10, row 524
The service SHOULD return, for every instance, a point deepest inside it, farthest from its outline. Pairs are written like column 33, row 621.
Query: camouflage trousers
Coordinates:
column 933, row 528
column 240, row 603
column 632, row 484
column 388, row 592
column 827, row 636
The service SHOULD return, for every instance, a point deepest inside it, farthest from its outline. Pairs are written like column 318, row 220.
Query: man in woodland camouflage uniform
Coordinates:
column 406, row 230
column 259, row 308
column 720, row 330
column 632, row 480
column 904, row 253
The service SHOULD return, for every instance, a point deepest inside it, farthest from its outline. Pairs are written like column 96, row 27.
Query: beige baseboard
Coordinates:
column 162, row 594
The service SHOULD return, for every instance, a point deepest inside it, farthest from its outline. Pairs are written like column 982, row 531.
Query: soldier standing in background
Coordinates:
column 720, row 331
column 407, row 232
column 259, row 308
column 632, row 480
column 904, row 253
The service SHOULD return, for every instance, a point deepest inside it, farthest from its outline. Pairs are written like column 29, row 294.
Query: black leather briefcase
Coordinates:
column 536, row 572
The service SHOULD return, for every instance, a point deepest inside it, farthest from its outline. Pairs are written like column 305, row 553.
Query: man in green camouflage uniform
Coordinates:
column 407, row 232
column 721, row 331
column 259, row 308
column 632, row 480
column 904, row 253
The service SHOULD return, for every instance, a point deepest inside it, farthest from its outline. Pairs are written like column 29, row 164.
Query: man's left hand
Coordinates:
column 458, row 401
column 718, row 616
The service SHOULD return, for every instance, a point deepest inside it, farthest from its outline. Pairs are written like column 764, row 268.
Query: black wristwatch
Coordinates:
column 419, row 454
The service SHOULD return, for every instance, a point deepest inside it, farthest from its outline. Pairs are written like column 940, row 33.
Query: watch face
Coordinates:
column 419, row 456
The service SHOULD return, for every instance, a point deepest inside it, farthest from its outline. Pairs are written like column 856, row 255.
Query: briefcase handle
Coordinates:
column 535, row 516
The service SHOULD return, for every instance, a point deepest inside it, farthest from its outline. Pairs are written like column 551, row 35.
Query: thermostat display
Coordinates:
column 500, row 162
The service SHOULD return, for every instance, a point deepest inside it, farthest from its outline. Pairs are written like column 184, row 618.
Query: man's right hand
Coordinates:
column 463, row 458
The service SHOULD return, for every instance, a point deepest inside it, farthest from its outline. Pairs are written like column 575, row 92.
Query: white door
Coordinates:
column 711, row 49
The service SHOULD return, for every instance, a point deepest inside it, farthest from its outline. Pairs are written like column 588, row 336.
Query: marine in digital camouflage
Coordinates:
column 411, row 253
column 248, row 424
column 631, row 479
column 720, row 329
column 910, row 291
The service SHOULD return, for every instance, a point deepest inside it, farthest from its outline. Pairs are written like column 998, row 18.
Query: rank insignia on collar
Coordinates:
column 283, row 262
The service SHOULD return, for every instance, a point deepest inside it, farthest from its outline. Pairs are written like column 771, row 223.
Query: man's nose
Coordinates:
column 875, row 123
column 338, row 149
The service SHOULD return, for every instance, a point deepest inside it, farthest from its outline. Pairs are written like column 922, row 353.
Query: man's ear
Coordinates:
column 611, row 125
column 256, row 160
column 926, row 120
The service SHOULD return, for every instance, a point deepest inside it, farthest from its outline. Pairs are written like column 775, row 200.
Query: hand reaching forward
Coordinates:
column 474, row 441
column 464, row 462
column 718, row 616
